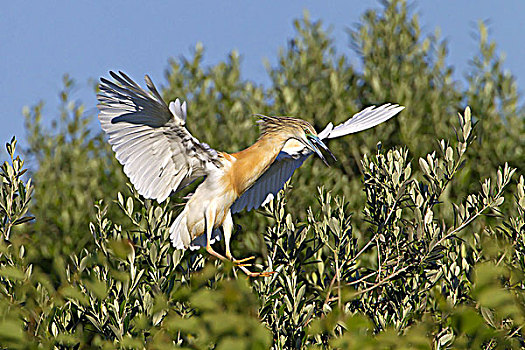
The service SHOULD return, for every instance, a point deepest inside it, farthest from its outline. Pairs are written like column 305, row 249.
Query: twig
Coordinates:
column 378, row 261
column 381, row 226
column 337, row 273
column 469, row 220
column 379, row 284
column 329, row 290
column 361, row 279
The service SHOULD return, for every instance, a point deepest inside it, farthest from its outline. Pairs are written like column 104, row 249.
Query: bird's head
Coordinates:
column 294, row 128
column 306, row 134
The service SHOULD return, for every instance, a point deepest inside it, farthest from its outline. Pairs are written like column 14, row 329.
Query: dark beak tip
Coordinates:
column 317, row 141
column 335, row 160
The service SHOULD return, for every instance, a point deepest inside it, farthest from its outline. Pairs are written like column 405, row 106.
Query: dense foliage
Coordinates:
column 415, row 238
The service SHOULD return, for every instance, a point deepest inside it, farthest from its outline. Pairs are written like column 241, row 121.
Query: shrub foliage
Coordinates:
column 414, row 239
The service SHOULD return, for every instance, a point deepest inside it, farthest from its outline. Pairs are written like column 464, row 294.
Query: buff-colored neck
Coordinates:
column 253, row 161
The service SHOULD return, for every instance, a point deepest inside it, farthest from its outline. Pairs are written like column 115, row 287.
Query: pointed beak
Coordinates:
column 313, row 142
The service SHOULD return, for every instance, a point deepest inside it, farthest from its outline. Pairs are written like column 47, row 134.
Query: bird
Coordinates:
column 160, row 157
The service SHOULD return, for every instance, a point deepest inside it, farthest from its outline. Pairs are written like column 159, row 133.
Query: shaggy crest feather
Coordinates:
column 274, row 124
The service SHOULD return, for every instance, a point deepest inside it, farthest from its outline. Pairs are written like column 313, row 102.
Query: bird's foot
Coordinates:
column 238, row 262
column 242, row 261
column 263, row 274
column 255, row 274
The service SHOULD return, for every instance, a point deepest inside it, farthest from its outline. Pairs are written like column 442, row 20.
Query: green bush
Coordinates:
column 415, row 239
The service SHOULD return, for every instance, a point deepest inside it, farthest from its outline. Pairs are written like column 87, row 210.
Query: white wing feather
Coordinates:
column 366, row 119
column 158, row 153
column 294, row 154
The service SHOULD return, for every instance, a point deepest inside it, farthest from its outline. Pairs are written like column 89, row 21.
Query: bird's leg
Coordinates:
column 208, row 227
column 210, row 250
column 227, row 227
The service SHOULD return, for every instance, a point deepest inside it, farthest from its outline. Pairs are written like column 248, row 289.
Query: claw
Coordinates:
column 240, row 261
column 245, row 265
column 256, row 274
column 265, row 273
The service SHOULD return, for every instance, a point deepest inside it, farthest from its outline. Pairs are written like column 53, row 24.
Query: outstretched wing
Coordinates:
column 158, row 153
column 294, row 154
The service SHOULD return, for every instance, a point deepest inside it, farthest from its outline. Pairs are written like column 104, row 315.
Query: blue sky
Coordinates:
column 40, row 41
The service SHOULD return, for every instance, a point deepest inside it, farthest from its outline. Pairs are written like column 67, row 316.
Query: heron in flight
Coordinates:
column 160, row 156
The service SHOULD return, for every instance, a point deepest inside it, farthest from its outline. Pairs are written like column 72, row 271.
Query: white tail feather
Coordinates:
column 181, row 239
column 179, row 235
